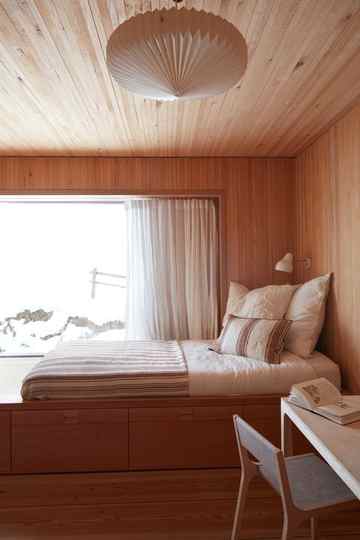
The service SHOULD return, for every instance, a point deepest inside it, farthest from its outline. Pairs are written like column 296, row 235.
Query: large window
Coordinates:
column 62, row 272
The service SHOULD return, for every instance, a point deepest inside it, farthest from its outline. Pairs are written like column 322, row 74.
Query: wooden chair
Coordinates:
column 307, row 485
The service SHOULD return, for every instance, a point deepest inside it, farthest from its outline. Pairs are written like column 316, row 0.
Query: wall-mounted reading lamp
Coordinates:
column 286, row 264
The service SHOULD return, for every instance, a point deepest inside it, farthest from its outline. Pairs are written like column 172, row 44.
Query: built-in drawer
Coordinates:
column 4, row 442
column 70, row 440
column 265, row 418
column 182, row 437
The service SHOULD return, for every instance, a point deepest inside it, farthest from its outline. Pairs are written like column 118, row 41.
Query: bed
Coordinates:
column 113, row 369
column 190, row 428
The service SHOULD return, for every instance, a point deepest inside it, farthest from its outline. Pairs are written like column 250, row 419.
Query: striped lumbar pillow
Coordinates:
column 261, row 339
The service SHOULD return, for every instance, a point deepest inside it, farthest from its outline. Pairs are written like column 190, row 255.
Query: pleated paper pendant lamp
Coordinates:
column 174, row 53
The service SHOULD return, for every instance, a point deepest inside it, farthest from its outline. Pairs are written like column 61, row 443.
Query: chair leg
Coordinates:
column 240, row 507
column 290, row 525
column 288, row 531
column 314, row 528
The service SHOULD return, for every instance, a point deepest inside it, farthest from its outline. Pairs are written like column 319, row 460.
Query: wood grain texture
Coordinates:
column 184, row 505
column 57, row 97
column 198, row 437
column 5, row 449
column 70, row 440
column 128, row 403
column 162, row 433
column 182, row 438
column 328, row 229
column 256, row 199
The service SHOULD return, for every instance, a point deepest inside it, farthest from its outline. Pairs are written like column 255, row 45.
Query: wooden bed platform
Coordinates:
column 129, row 434
column 134, row 467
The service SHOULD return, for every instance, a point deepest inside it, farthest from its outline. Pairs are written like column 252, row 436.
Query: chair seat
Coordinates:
column 306, row 483
column 314, row 484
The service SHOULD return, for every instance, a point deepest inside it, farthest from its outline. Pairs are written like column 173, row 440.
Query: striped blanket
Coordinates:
column 109, row 369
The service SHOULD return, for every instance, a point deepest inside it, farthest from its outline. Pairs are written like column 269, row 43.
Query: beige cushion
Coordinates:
column 307, row 311
column 260, row 339
column 236, row 298
column 269, row 302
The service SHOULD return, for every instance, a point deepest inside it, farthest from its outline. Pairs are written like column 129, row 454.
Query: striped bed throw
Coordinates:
column 109, row 369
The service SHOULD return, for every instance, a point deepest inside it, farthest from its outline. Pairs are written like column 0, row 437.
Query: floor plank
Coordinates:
column 186, row 505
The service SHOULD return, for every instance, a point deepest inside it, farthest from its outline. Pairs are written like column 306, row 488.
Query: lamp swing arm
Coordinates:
column 307, row 262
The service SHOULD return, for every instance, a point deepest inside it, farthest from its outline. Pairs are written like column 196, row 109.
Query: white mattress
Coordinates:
column 214, row 374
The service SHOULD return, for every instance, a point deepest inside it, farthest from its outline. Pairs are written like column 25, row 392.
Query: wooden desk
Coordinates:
column 338, row 445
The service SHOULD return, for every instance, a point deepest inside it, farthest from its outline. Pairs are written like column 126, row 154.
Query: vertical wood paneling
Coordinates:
column 328, row 230
column 256, row 198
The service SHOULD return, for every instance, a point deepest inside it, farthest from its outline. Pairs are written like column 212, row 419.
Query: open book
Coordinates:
column 322, row 397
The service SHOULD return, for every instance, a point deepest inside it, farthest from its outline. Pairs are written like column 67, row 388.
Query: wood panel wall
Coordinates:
column 256, row 198
column 328, row 230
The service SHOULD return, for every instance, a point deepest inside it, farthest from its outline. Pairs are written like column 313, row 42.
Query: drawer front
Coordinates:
column 265, row 419
column 70, row 440
column 4, row 442
column 166, row 438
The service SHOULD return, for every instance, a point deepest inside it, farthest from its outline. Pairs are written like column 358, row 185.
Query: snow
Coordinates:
column 48, row 251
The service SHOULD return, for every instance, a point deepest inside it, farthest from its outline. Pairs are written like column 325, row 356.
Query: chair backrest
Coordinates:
column 266, row 454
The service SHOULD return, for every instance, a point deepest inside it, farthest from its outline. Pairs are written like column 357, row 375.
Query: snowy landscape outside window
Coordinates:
column 62, row 273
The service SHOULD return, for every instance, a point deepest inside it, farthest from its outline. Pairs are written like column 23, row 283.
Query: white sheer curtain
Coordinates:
column 172, row 269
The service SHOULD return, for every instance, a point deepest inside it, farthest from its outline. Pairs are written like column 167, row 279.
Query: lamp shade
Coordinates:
column 286, row 264
column 170, row 54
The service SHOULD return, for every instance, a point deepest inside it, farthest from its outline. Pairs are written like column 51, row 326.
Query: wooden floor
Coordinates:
column 146, row 506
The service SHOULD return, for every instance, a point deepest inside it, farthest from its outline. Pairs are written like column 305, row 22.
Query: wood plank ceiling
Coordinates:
column 57, row 98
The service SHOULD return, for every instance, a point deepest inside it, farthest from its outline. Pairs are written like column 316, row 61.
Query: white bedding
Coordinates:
column 209, row 373
column 223, row 374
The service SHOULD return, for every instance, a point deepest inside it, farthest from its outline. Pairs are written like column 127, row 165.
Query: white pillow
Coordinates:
column 236, row 298
column 307, row 311
column 260, row 339
column 269, row 302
